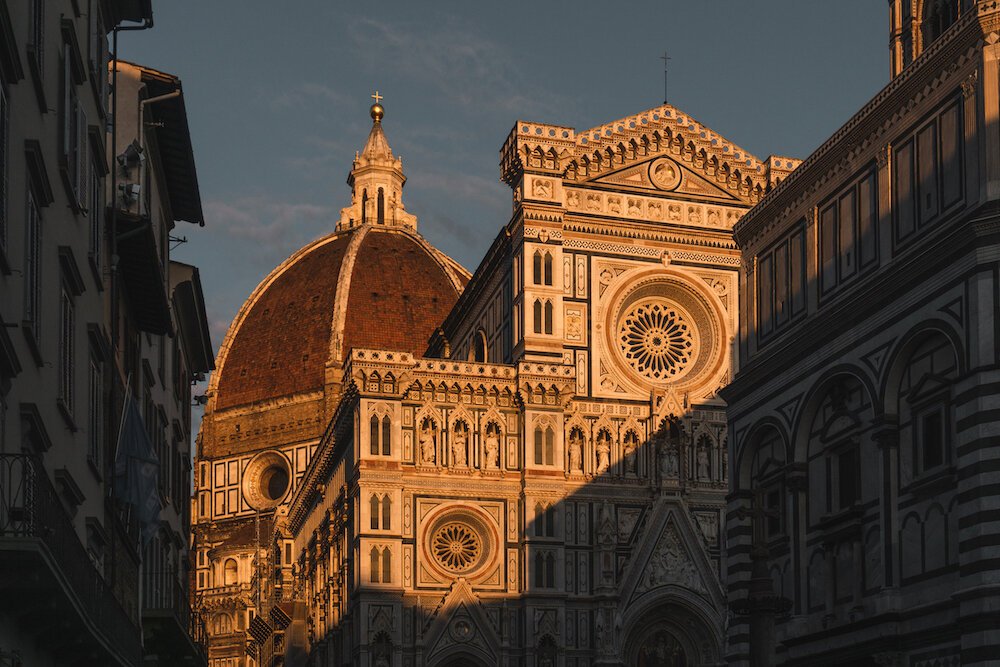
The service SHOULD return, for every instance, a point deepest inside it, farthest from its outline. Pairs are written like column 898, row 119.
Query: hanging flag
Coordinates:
column 137, row 470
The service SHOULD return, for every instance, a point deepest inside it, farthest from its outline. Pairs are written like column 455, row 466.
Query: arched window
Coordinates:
column 364, row 206
column 547, row 268
column 539, row 570
column 230, row 572
column 548, row 317
column 536, row 268
column 386, row 436
column 938, row 16
column 539, row 520
column 374, row 435
column 373, row 507
column 223, row 624
column 539, row 445
column 386, row 512
column 550, row 521
column 386, row 566
column 479, row 347
column 537, row 312
column 374, row 565
column 550, row 446
column 550, row 570
column 381, row 207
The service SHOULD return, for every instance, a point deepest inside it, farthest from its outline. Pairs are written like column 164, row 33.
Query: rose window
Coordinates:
column 656, row 339
column 456, row 547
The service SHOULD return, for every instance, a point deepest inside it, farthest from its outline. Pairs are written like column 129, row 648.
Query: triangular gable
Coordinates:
column 663, row 174
column 670, row 555
column 461, row 621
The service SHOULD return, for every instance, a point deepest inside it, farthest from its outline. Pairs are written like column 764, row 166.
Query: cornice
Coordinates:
column 865, row 129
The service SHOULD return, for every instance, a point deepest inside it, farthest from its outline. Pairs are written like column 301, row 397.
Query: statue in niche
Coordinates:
column 628, row 452
column 492, row 448
column 459, row 442
column 668, row 459
column 603, row 451
column 702, row 461
column 575, row 451
column 426, row 442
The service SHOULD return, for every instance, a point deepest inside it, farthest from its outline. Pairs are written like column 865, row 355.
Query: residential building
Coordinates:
column 82, row 326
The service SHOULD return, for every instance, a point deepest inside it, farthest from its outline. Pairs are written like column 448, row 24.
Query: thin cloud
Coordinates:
column 311, row 92
column 463, row 65
column 256, row 219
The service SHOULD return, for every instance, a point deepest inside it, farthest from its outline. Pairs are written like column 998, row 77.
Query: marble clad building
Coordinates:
column 402, row 464
column 863, row 523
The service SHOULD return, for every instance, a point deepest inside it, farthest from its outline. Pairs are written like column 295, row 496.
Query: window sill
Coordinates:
column 843, row 523
column 67, row 415
column 933, row 481
column 31, row 336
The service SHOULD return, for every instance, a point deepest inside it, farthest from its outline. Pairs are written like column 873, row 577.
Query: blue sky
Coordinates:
column 278, row 93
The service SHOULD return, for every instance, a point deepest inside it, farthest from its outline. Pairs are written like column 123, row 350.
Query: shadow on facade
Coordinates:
column 616, row 567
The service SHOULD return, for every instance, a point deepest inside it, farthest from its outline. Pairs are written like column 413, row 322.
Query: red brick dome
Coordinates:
column 367, row 287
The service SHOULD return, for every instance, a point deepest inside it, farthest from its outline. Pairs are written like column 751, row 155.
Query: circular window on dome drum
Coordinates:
column 266, row 480
column 657, row 339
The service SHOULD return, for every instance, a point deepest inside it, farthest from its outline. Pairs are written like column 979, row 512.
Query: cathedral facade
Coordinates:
column 402, row 464
column 862, row 521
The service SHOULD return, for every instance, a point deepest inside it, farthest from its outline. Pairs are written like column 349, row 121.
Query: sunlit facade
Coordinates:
column 401, row 464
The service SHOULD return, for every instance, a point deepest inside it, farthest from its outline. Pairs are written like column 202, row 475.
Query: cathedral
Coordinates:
column 402, row 464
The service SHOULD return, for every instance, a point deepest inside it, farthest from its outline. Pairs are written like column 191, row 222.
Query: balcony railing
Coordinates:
column 30, row 512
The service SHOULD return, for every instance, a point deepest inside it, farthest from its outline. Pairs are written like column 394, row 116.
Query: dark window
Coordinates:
column 772, row 506
column 67, row 340
column 373, row 511
column 537, row 313
column 374, row 565
column 539, row 570
column 95, row 412
column 386, row 513
column 374, row 435
column 32, row 267
column 868, row 220
column 536, row 268
column 538, row 445
column 364, row 206
column 381, row 207
column 550, row 521
column 386, row 436
column 37, row 44
column 847, row 234
column 932, row 438
column 847, row 478
column 797, row 268
column 386, row 566
column 550, row 437
column 548, row 317
column 547, row 262
column 539, row 520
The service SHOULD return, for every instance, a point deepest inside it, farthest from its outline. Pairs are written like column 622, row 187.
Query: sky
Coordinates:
column 277, row 97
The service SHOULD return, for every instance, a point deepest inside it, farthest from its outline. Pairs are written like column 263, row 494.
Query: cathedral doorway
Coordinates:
column 462, row 660
column 660, row 648
column 671, row 634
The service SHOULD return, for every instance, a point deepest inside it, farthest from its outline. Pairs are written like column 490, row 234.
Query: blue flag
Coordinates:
column 137, row 469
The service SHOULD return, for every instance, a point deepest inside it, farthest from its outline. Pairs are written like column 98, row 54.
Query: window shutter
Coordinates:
column 4, row 159
column 82, row 181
